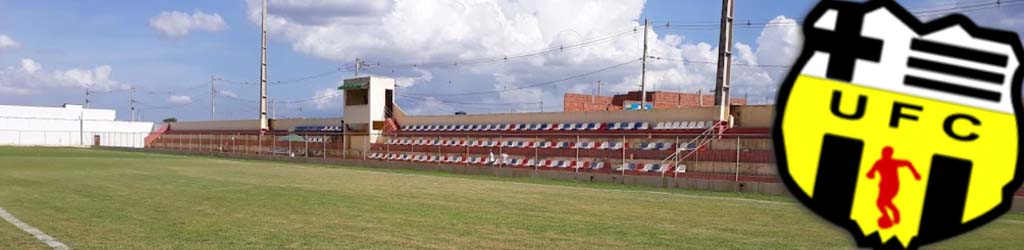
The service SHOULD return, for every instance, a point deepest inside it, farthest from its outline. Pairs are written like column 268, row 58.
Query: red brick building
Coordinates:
column 660, row 99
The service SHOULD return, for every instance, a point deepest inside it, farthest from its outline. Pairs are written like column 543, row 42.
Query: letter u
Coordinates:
column 837, row 97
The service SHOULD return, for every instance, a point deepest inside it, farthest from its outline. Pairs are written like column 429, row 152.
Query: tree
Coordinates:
column 170, row 120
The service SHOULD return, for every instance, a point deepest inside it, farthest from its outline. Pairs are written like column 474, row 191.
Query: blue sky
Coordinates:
column 72, row 43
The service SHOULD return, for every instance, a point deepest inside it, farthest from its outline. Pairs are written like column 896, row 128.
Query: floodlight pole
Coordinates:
column 643, row 70
column 722, row 84
column 264, row 124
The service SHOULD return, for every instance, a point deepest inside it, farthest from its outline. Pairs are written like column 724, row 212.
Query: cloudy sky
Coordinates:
column 458, row 55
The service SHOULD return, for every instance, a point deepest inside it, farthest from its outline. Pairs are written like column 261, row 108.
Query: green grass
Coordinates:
column 93, row 199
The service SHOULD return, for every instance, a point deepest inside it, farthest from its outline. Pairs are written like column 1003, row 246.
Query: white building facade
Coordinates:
column 70, row 126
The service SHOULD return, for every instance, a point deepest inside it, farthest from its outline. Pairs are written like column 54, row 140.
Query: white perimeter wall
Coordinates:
column 47, row 126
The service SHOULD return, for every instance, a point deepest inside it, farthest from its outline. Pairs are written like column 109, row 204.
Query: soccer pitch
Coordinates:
column 95, row 199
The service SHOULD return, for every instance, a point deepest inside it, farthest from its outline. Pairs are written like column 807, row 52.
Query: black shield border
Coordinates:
column 920, row 28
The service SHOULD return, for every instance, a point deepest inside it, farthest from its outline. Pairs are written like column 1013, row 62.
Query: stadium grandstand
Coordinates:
column 673, row 144
column 676, row 142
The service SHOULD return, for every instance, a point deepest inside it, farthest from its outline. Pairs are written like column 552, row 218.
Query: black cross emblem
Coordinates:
column 845, row 45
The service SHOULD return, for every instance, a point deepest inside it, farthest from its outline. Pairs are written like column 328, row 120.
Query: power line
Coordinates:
column 164, row 107
column 281, row 102
column 467, row 103
column 685, row 61
column 506, row 58
column 971, row 8
column 533, row 85
column 956, row 6
column 296, row 79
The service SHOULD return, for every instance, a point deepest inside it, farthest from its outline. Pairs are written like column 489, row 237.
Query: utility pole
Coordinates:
column 133, row 104
column 643, row 70
column 700, row 98
column 213, row 98
column 722, row 84
column 358, row 64
column 86, row 98
column 264, row 124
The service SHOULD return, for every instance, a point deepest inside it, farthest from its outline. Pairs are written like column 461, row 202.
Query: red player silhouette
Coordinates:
column 889, row 185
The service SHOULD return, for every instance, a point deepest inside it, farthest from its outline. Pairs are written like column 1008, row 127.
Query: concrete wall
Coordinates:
column 692, row 114
column 573, row 102
column 251, row 125
column 68, row 112
column 758, row 116
column 290, row 124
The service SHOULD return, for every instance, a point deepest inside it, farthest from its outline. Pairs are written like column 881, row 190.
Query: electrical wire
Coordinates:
column 535, row 84
column 506, row 58
column 685, row 61
column 468, row 103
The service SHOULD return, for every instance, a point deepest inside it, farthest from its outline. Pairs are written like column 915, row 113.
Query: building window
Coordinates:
column 357, row 97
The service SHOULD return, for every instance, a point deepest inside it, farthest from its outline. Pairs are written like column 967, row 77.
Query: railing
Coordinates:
column 736, row 158
column 691, row 147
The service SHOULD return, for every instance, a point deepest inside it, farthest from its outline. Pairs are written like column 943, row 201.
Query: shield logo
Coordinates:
column 904, row 133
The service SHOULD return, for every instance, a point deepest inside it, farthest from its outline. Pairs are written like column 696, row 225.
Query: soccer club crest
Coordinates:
column 904, row 133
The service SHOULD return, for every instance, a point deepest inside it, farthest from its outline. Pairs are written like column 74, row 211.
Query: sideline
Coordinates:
column 50, row 241
column 709, row 197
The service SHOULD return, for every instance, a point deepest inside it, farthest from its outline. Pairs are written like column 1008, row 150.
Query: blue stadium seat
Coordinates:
column 627, row 167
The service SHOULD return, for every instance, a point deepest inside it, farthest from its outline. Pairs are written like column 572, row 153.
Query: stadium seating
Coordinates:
column 629, row 148
column 318, row 129
column 523, row 143
column 578, row 126
column 681, row 125
column 627, row 166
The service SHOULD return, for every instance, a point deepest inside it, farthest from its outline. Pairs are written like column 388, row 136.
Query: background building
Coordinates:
column 70, row 125
column 573, row 102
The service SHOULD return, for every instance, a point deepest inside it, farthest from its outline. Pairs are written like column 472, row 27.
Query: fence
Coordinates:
column 62, row 138
column 724, row 157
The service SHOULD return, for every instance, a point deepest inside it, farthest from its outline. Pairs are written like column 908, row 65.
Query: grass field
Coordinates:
column 92, row 199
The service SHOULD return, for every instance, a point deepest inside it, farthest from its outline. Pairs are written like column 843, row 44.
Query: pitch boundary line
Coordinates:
column 47, row 239
column 593, row 189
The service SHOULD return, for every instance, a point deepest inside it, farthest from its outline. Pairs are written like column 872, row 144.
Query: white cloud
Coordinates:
column 325, row 98
column 228, row 93
column 431, row 106
column 446, row 31
column 405, row 82
column 326, row 11
column 30, row 66
column 178, row 24
column 30, row 77
column 7, row 42
column 97, row 78
column 780, row 42
column 179, row 99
